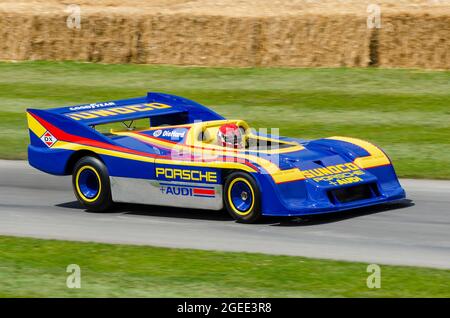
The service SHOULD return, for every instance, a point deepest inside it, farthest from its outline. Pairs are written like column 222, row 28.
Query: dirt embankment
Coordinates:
column 413, row 33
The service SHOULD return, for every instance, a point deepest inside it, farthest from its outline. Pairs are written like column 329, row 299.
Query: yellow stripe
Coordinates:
column 211, row 164
column 277, row 174
column 293, row 174
column 76, row 147
column 35, row 126
column 294, row 146
column 376, row 157
column 195, row 130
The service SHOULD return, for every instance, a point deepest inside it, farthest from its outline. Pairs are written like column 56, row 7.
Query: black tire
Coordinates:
column 248, row 212
column 89, row 175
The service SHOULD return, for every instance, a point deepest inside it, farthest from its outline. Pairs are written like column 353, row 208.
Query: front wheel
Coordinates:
column 91, row 184
column 242, row 197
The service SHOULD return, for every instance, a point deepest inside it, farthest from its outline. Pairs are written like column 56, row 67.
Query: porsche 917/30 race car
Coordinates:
column 189, row 156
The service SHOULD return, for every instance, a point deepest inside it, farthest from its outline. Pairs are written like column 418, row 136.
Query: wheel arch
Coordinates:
column 262, row 182
column 227, row 172
column 76, row 156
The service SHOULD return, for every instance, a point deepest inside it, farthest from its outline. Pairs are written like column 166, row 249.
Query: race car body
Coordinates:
column 178, row 161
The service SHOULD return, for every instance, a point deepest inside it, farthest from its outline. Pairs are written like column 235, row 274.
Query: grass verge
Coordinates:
column 404, row 111
column 37, row 268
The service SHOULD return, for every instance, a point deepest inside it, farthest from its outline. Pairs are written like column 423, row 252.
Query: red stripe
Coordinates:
column 63, row 136
column 204, row 191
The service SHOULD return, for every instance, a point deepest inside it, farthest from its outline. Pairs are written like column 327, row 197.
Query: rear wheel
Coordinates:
column 242, row 197
column 91, row 184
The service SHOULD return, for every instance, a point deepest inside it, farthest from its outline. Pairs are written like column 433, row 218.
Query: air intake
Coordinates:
column 355, row 193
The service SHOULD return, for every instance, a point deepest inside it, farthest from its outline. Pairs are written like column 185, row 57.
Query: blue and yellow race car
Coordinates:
column 186, row 155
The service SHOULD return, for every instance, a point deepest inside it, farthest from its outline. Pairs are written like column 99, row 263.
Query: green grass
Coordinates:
column 407, row 112
column 37, row 268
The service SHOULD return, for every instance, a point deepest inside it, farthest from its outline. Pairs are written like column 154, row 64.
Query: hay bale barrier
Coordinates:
column 403, row 42
column 296, row 33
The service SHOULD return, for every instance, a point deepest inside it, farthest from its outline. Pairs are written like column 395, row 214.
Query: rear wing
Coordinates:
column 55, row 133
column 154, row 106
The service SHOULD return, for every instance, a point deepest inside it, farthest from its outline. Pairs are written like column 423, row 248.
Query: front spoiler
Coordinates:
column 321, row 208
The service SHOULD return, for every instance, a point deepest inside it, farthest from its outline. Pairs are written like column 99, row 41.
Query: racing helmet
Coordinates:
column 229, row 135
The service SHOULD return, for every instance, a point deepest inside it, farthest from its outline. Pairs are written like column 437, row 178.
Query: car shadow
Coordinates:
column 184, row 213
column 157, row 211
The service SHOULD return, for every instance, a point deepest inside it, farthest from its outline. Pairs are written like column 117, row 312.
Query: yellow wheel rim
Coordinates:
column 233, row 196
column 81, row 188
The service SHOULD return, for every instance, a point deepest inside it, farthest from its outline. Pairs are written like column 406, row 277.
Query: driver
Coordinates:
column 230, row 136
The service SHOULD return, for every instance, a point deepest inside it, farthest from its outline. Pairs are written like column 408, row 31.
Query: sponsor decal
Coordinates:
column 187, row 191
column 173, row 134
column 339, row 174
column 194, row 175
column 341, row 179
column 116, row 111
column 92, row 106
column 49, row 139
column 330, row 170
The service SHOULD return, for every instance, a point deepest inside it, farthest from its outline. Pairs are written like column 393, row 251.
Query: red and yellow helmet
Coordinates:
column 229, row 135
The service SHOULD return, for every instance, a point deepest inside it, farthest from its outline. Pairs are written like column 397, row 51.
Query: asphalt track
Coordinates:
column 413, row 232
